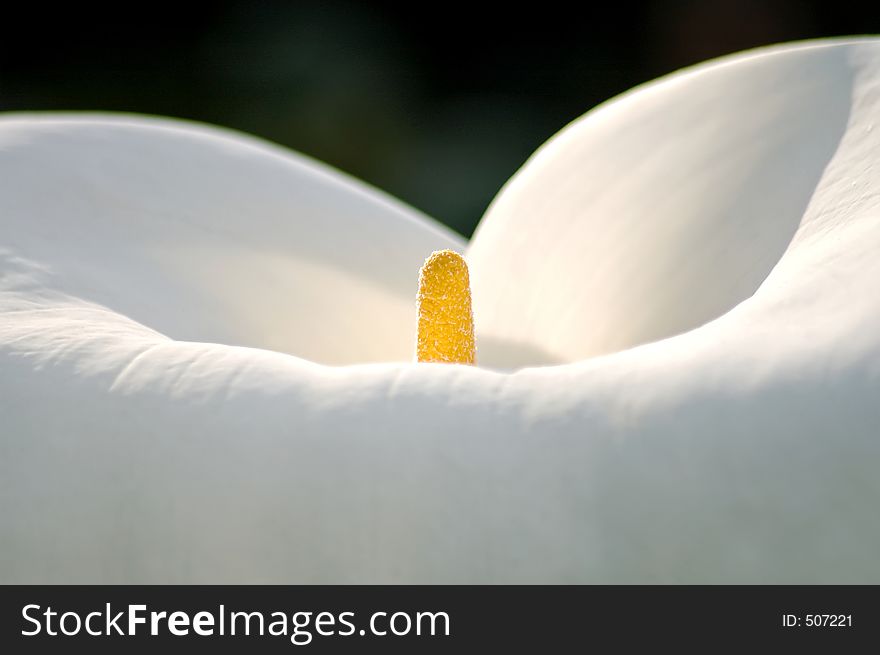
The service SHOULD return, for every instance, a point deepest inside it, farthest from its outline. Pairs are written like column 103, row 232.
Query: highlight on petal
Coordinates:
column 207, row 235
column 660, row 210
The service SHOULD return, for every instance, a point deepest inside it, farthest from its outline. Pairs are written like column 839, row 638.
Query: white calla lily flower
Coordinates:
column 206, row 350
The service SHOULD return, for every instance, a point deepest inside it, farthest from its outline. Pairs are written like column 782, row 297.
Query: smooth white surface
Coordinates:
column 207, row 235
column 745, row 450
column 662, row 209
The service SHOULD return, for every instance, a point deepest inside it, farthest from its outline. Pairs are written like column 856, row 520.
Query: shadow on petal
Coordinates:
column 507, row 354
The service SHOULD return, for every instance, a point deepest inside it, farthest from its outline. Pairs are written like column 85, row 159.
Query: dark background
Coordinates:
column 436, row 103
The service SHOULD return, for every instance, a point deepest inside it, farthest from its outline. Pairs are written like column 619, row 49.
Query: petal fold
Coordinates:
column 208, row 235
column 660, row 210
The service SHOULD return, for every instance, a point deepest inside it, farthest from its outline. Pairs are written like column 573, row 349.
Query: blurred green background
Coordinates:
column 438, row 104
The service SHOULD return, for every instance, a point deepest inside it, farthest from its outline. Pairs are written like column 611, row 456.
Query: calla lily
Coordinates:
column 206, row 350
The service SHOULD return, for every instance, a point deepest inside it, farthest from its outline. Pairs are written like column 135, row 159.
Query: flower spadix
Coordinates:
column 446, row 320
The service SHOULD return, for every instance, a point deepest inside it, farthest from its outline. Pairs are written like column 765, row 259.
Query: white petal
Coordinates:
column 742, row 451
column 660, row 210
column 207, row 235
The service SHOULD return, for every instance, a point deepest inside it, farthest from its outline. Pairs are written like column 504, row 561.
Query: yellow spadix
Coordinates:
column 446, row 320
